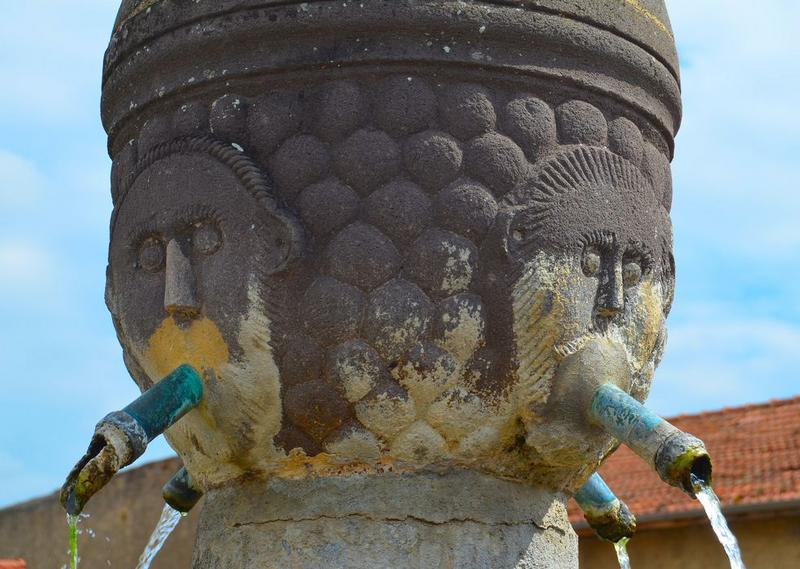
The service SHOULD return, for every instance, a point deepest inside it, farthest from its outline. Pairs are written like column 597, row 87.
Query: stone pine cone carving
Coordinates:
column 385, row 273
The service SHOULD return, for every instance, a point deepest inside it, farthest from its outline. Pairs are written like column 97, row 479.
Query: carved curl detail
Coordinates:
column 254, row 180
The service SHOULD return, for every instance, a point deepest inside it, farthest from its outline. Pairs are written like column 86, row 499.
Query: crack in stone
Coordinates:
column 543, row 528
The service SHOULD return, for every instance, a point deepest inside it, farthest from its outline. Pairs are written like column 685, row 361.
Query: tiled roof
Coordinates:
column 12, row 564
column 755, row 452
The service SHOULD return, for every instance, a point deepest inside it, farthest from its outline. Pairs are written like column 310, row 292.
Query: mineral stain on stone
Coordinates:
column 199, row 344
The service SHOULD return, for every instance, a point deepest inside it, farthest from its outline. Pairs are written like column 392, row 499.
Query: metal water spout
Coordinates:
column 122, row 436
column 605, row 513
column 181, row 492
column 675, row 455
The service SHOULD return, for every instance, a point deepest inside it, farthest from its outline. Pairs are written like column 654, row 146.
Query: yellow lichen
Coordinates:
column 637, row 5
column 199, row 344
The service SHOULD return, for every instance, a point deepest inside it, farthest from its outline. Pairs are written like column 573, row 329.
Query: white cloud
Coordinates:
column 23, row 264
column 718, row 356
column 52, row 44
column 21, row 183
column 735, row 169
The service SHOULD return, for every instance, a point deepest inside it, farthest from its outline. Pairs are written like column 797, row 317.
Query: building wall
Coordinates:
column 767, row 543
column 123, row 515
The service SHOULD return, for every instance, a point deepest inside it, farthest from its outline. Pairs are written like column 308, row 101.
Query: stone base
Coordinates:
column 460, row 520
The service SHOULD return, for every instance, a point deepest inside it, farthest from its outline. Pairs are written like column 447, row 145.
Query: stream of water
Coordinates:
column 73, row 540
column 168, row 522
column 713, row 509
column 621, row 547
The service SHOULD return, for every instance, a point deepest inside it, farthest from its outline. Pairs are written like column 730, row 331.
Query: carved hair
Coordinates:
column 585, row 189
column 579, row 169
column 248, row 172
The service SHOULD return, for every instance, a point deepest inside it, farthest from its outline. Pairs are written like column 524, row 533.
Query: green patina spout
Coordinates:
column 181, row 492
column 675, row 455
column 122, row 436
column 606, row 514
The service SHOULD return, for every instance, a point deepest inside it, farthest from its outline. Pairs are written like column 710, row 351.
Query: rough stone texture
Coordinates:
column 581, row 123
column 367, row 160
column 411, row 230
column 370, row 236
column 401, row 224
column 459, row 519
column 433, row 158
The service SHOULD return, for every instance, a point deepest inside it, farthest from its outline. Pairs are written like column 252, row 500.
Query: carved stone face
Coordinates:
column 589, row 234
column 192, row 246
column 589, row 230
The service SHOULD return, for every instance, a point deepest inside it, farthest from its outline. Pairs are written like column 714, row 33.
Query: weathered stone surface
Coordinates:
column 625, row 139
column 389, row 245
column 466, row 208
column 433, row 158
column 468, row 110
column 405, row 104
column 299, row 162
column 342, row 107
column 497, row 161
column 332, row 311
column 362, row 256
column 581, row 123
column 460, row 519
column 397, row 315
column 328, row 206
column 531, row 123
column 385, row 242
column 442, row 263
column 400, row 209
column 271, row 119
column 367, row 160
column 227, row 118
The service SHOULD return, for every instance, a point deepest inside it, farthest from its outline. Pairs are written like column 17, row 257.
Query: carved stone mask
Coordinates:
column 588, row 232
column 193, row 244
column 594, row 211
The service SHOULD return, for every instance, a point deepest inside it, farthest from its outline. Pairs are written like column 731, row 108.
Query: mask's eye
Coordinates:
column 206, row 239
column 631, row 273
column 152, row 255
column 591, row 262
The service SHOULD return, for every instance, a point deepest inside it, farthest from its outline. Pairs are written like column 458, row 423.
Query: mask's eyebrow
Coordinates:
column 602, row 238
column 199, row 212
column 640, row 249
column 141, row 231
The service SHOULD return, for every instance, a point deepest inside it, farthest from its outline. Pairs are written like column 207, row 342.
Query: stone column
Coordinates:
column 433, row 519
column 401, row 241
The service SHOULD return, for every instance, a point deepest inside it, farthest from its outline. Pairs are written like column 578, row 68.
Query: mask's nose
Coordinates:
column 610, row 294
column 180, row 288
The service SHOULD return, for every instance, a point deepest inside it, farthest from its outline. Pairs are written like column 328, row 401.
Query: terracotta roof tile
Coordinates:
column 755, row 451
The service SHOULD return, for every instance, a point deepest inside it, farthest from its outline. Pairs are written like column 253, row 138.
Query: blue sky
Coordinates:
column 734, row 330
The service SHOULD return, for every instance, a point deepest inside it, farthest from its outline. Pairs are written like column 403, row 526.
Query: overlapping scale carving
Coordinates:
column 391, row 333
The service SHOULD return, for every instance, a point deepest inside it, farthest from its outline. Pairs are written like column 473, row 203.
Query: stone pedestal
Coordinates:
column 428, row 520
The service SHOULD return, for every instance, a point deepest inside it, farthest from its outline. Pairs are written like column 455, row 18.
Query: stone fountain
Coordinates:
column 404, row 243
